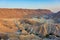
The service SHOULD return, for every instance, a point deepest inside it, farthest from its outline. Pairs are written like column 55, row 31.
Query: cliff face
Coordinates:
column 20, row 13
column 14, row 25
column 30, row 29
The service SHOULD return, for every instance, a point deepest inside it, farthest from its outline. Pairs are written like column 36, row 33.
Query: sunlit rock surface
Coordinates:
column 29, row 29
column 25, row 24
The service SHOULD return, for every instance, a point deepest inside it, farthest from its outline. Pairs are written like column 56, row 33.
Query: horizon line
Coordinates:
column 32, row 9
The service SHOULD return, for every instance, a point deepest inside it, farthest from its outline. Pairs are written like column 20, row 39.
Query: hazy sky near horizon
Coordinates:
column 31, row 4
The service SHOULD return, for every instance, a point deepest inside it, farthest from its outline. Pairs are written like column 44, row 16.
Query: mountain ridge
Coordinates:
column 19, row 13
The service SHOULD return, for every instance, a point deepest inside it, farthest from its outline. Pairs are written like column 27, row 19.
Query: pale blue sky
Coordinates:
column 35, row 4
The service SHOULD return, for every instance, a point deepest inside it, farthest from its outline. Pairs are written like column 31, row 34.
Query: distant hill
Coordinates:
column 57, row 15
column 20, row 13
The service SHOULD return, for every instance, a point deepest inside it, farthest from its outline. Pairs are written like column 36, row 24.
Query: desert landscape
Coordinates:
column 29, row 24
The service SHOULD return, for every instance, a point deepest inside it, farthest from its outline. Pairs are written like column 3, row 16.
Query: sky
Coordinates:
column 53, row 5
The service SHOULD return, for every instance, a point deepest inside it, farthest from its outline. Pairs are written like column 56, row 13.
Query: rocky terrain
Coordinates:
column 25, row 24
